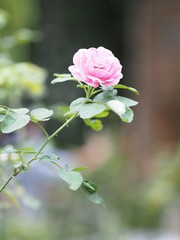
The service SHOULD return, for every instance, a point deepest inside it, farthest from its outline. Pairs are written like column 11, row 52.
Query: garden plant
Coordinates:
column 97, row 72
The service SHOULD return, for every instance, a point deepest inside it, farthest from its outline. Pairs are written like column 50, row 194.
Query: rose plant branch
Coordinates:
column 42, row 128
column 17, row 171
column 97, row 72
column 52, row 136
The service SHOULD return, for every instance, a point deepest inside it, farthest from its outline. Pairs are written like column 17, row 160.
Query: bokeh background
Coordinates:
column 137, row 166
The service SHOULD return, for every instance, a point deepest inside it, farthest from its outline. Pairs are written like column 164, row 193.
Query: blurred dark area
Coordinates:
column 136, row 165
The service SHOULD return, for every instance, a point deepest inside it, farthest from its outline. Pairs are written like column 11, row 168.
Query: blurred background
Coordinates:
column 137, row 166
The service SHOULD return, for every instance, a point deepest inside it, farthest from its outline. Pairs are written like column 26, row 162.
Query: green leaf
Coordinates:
column 127, row 116
column 90, row 186
column 3, row 113
column 68, row 114
column 59, row 115
column 41, row 114
column 27, row 150
column 2, row 117
column 8, row 149
column 103, row 114
column 121, row 86
column 93, row 197
column 72, row 178
column 76, row 104
column 45, row 158
column 89, row 110
column 117, row 107
column 96, row 125
column 127, row 101
column 14, row 121
column 54, row 157
column 3, row 110
column 62, row 78
column 78, row 169
column 64, row 108
column 17, row 164
column 21, row 111
column 105, row 96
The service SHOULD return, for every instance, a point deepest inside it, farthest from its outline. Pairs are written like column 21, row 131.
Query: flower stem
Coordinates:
column 56, row 164
column 41, row 148
column 100, row 90
column 52, row 136
column 42, row 128
column 89, row 92
column 6, row 183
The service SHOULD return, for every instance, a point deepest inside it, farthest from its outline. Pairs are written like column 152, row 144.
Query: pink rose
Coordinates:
column 96, row 66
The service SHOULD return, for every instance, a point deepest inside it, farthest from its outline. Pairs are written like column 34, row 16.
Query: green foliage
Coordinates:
column 26, row 150
column 121, row 86
column 73, row 178
column 78, row 103
column 21, row 111
column 90, row 110
column 95, row 124
column 127, row 116
column 17, row 164
column 45, row 158
column 41, row 114
column 16, row 79
column 126, row 101
column 103, row 114
column 106, row 96
column 8, row 149
column 117, row 107
column 14, row 121
column 90, row 186
column 78, row 169
column 62, row 78
column 49, row 158
column 90, row 191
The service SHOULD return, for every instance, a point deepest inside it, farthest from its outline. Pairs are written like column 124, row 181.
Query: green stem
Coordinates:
column 100, row 90
column 42, row 128
column 56, row 164
column 41, row 148
column 9, row 179
column 89, row 91
column 52, row 136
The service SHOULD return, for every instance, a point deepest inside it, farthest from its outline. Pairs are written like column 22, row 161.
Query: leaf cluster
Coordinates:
column 14, row 119
column 92, row 108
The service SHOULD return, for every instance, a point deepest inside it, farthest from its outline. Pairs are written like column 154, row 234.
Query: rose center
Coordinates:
column 98, row 67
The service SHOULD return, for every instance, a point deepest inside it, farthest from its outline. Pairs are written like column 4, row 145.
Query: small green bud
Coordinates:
column 17, row 171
